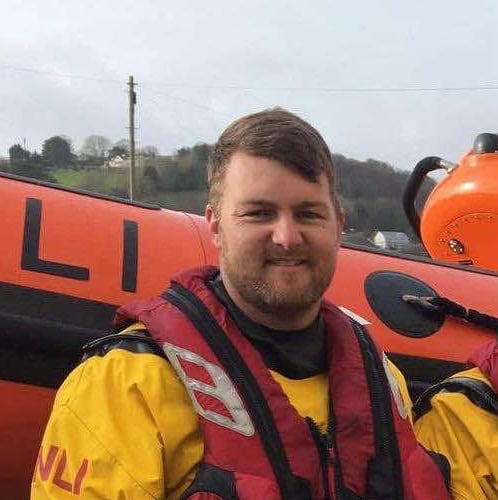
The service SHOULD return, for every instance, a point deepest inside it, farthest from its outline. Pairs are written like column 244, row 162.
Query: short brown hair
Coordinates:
column 276, row 134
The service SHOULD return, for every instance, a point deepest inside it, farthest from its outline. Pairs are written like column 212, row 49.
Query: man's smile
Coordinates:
column 287, row 262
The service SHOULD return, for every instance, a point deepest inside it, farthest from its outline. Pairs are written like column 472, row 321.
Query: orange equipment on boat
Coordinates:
column 459, row 222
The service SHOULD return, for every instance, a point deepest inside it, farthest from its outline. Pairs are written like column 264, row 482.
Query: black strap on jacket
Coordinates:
column 385, row 477
column 480, row 393
column 138, row 341
column 291, row 487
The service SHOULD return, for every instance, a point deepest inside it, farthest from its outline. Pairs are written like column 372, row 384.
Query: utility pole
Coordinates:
column 132, row 101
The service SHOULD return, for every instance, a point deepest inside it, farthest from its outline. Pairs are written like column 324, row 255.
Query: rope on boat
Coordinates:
column 447, row 307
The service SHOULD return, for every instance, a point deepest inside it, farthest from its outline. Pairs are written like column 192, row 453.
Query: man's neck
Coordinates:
column 279, row 319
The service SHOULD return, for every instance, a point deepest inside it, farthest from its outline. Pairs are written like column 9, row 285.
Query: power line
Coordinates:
column 475, row 88
column 325, row 89
column 160, row 94
column 62, row 75
column 178, row 124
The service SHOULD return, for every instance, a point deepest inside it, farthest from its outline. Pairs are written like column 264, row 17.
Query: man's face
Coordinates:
column 278, row 236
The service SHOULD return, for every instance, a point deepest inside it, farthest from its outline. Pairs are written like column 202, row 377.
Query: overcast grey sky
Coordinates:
column 387, row 79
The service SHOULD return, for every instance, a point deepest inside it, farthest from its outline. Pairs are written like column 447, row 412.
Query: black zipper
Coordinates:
column 386, row 445
column 240, row 374
column 340, row 492
column 322, row 443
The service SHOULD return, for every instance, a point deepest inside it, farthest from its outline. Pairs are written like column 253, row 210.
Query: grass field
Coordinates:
column 67, row 177
column 115, row 182
column 186, row 201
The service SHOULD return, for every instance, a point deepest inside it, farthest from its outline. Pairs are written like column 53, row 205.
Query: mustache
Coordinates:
column 279, row 254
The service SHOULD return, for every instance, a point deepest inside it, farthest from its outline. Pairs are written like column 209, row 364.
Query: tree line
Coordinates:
column 370, row 191
column 58, row 153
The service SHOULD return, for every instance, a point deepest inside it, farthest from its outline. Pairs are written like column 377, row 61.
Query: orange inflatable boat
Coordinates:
column 68, row 258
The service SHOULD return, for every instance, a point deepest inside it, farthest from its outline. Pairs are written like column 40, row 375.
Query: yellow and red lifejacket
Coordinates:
column 255, row 442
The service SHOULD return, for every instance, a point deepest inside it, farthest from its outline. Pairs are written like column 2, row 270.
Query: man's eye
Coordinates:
column 309, row 215
column 259, row 214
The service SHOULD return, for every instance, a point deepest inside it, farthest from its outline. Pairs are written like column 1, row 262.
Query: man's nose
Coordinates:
column 286, row 232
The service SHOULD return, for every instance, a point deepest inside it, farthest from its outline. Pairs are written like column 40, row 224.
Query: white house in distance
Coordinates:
column 391, row 240
column 118, row 162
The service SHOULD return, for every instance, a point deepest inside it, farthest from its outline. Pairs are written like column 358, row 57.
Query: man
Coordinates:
column 246, row 383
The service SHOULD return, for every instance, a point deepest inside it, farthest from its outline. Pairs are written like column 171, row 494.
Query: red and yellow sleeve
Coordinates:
column 468, row 436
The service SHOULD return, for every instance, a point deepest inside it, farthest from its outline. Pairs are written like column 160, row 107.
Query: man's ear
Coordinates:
column 214, row 225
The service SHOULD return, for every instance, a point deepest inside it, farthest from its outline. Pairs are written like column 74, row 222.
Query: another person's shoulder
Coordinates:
column 469, row 391
column 459, row 418
column 463, row 395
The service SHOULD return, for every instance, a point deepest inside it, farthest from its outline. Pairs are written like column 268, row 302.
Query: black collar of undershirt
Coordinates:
column 295, row 354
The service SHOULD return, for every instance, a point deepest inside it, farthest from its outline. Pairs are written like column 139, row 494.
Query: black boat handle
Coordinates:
column 412, row 188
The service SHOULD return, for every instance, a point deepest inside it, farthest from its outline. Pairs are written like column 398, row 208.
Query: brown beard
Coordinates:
column 265, row 296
